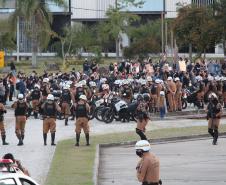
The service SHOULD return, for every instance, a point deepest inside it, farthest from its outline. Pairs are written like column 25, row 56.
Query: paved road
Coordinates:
column 37, row 157
column 182, row 163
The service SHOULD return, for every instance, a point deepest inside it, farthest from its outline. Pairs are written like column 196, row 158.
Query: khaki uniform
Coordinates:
column 20, row 120
column 178, row 95
column 171, row 95
column 159, row 88
column 148, row 169
column 2, row 127
column 82, row 124
column 35, row 105
column 65, row 109
column 49, row 123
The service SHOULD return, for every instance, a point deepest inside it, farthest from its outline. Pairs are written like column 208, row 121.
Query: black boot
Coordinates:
column 141, row 134
column 210, row 130
column 20, row 142
column 215, row 137
column 35, row 115
column 22, row 137
column 77, row 139
column 66, row 121
column 53, row 139
column 3, row 140
column 73, row 118
column 45, row 139
column 87, row 140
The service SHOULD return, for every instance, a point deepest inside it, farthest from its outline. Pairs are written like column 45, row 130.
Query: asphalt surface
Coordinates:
column 37, row 157
column 181, row 163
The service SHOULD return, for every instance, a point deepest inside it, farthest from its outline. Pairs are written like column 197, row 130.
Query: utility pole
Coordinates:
column 162, row 30
column 18, row 37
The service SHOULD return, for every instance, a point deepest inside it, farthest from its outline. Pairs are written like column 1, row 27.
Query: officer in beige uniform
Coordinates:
column 171, row 90
column 49, row 122
column 82, row 108
column 66, row 99
column 214, row 113
column 2, row 127
column 21, row 108
column 148, row 168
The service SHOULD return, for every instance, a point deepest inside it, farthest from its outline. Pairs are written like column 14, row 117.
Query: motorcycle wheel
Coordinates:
column 184, row 104
column 98, row 113
column 108, row 116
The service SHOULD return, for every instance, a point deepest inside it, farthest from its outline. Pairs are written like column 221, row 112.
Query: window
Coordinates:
column 26, row 182
column 7, row 182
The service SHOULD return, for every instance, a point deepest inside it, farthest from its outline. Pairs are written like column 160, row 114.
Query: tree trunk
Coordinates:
column 224, row 47
column 190, row 52
column 63, row 53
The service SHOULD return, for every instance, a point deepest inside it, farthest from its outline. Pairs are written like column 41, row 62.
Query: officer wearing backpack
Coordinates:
column 50, row 107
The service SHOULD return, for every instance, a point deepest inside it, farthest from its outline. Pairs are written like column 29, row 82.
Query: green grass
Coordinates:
column 74, row 166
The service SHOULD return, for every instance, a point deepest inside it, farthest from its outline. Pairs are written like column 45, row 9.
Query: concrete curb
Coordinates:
column 153, row 141
column 96, row 166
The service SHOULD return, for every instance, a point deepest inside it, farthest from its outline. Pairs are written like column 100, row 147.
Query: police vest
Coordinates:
column 21, row 109
column 66, row 96
column 35, row 95
column 49, row 110
column 154, row 89
column 81, row 110
column 79, row 92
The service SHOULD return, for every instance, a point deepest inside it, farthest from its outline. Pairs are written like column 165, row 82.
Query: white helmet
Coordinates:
column 162, row 93
column 157, row 81
column 212, row 95
column 37, row 86
column 169, row 78
column 83, row 82
column 103, row 80
column 92, row 84
column 198, row 78
column 20, row 96
column 210, row 78
column 66, row 87
column 143, row 145
column 46, row 80
column 78, row 85
column 149, row 79
column 83, row 97
column 50, row 97
column 177, row 79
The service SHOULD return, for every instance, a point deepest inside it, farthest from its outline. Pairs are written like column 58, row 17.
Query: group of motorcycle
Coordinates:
column 116, row 108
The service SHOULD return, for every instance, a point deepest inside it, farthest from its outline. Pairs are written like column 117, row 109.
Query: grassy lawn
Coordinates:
column 74, row 166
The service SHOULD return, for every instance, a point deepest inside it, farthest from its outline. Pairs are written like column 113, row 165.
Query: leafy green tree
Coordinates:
column 146, row 39
column 35, row 13
column 7, row 38
column 119, row 20
column 196, row 26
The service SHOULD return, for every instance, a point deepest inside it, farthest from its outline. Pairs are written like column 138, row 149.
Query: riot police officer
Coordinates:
column 214, row 112
column 35, row 98
column 148, row 168
column 50, row 108
column 21, row 108
column 143, row 117
column 2, row 127
column 65, row 99
column 82, row 109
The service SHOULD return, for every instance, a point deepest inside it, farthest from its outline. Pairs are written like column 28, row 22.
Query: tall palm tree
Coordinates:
column 37, row 15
